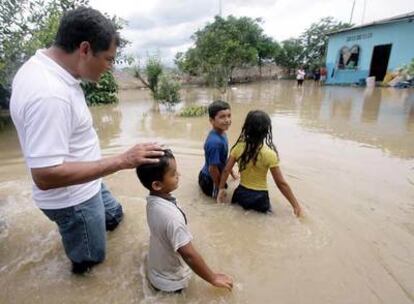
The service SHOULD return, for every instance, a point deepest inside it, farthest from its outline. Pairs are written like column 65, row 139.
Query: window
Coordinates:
column 348, row 57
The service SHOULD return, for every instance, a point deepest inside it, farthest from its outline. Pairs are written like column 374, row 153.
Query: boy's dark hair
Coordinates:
column 216, row 107
column 85, row 24
column 150, row 173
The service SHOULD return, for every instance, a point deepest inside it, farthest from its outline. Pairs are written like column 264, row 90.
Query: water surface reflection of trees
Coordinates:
column 107, row 122
column 380, row 117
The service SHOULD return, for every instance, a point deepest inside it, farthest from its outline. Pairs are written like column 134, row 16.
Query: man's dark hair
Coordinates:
column 216, row 107
column 150, row 173
column 85, row 24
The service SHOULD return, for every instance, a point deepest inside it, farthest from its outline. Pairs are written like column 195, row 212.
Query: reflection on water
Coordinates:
column 378, row 117
column 107, row 122
column 347, row 153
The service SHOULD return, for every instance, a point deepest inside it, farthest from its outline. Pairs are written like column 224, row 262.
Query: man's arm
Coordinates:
column 197, row 264
column 72, row 173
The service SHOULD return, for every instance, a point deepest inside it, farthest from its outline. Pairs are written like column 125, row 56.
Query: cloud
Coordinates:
column 164, row 41
column 172, row 13
column 166, row 26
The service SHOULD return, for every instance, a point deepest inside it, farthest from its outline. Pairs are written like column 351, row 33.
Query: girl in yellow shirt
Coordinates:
column 255, row 155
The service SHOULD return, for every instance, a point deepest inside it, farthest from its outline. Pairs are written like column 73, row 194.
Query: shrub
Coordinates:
column 410, row 68
column 153, row 70
column 105, row 91
column 168, row 90
column 193, row 111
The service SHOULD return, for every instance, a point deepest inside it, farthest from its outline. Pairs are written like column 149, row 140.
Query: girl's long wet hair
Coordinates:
column 257, row 129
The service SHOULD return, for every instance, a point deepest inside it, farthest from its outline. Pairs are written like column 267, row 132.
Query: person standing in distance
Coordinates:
column 59, row 143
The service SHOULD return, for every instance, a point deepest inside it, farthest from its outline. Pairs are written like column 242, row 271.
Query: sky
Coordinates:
column 165, row 27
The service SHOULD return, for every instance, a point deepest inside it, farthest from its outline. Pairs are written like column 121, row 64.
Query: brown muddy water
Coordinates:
column 346, row 152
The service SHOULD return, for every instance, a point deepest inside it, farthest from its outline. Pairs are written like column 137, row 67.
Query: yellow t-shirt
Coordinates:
column 254, row 176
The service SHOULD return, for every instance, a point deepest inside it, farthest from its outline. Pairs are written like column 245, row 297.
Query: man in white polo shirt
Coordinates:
column 59, row 143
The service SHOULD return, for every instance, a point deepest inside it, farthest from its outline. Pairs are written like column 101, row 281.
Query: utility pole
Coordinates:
column 363, row 11
column 352, row 12
column 220, row 8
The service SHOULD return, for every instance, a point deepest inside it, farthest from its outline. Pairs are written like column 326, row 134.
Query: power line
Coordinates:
column 352, row 12
column 363, row 11
column 220, row 11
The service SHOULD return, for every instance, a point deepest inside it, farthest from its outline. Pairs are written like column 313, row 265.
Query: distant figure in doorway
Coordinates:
column 300, row 76
column 323, row 73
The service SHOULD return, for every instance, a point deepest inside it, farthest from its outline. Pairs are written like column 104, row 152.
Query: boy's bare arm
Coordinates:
column 215, row 174
column 284, row 187
column 228, row 169
column 197, row 264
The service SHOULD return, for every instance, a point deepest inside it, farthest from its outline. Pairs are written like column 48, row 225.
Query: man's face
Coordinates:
column 222, row 120
column 93, row 65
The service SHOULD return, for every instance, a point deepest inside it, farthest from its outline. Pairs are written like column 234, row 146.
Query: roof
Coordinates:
column 408, row 16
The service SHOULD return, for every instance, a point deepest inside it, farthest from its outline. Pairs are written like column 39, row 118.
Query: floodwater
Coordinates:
column 346, row 152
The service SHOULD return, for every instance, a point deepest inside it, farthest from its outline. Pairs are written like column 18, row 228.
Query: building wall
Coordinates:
column 399, row 34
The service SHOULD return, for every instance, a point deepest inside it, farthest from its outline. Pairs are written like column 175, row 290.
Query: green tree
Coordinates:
column 188, row 62
column 290, row 54
column 153, row 70
column 223, row 45
column 267, row 50
column 163, row 87
column 105, row 91
column 168, row 90
column 27, row 25
column 315, row 40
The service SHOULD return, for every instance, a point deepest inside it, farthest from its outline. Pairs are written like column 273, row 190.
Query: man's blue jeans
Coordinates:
column 83, row 227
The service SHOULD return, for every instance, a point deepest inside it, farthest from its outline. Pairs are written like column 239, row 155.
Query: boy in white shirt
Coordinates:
column 170, row 239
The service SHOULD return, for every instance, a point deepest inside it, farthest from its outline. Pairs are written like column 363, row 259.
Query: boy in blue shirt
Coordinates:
column 215, row 148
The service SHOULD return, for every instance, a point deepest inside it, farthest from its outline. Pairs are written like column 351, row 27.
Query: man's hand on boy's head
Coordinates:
column 146, row 153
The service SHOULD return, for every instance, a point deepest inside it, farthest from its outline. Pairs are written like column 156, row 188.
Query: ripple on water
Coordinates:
column 4, row 229
column 45, row 247
column 410, row 177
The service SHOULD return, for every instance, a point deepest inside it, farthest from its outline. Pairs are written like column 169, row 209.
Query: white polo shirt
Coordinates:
column 167, row 270
column 54, row 125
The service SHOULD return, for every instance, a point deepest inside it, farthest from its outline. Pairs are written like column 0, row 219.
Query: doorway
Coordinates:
column 379, row 61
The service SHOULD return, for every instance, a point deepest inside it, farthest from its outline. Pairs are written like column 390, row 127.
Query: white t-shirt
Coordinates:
column 54, row 125
column 300, row 74
column 167, row 270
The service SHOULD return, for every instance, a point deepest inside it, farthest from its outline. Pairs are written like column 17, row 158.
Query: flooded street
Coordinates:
column 347, row 153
